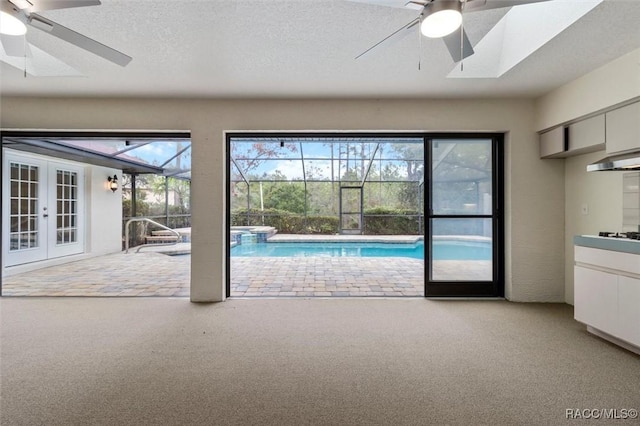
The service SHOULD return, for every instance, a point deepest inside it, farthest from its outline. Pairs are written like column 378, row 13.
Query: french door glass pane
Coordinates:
column 23, row 207
column 66, row 183
column 462, row 176
column 461, row 250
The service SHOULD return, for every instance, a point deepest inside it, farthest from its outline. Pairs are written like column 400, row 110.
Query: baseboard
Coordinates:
column 622, row 343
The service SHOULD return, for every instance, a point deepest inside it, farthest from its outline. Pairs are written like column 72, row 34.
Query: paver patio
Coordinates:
column 155, row 274
column 326, row 276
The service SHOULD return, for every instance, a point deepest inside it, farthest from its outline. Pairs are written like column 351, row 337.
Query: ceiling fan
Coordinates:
column 441, row 19
column 16, row 15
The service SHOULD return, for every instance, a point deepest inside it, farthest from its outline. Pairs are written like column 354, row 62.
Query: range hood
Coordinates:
column 629, row 161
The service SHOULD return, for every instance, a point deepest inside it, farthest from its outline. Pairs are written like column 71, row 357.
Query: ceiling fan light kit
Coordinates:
column 15, row 15
column 441, row 18
column 9, row 24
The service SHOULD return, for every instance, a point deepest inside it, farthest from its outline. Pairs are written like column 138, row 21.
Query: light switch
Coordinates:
column 584, row 209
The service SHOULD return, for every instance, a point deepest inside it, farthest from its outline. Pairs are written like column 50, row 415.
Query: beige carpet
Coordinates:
column 151, row 361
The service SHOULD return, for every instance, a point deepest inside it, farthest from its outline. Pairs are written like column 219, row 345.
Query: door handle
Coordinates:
column 44, row 212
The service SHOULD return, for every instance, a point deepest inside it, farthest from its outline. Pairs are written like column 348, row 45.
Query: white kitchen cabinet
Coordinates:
column 587, row 135
column 596, row 298
column 629, row 309
column 552, row 143
column 607, row 290
column 623, row 129
column 631, row 202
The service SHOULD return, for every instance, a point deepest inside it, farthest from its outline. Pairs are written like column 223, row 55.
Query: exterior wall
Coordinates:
column 534, row 188
column 104, row 212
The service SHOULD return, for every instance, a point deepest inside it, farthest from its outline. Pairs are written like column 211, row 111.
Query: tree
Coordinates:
column 412, row 154
column 249, row 157
column 246, row 159
column 288, row 196
column 462, row 173
column 179, row 191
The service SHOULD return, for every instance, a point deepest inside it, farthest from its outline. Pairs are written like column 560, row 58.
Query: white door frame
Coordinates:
column 66, row 209
column 58, row 218
column 24, row 228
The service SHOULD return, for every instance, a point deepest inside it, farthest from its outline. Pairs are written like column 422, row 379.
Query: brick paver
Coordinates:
column 156, row 274
column 326, row 276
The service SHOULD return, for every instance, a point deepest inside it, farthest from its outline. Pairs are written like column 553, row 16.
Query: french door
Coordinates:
column 42, row 207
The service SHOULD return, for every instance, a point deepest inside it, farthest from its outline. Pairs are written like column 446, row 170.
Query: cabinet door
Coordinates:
column 623, row 128
column 629, row 309
column 596, row 299
column 587, row 135
column 553, row 143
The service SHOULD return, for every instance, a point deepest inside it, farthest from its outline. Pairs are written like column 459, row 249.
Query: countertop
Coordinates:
column 605, row 243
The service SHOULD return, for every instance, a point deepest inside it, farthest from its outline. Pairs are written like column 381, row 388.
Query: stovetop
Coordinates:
column 627, row 235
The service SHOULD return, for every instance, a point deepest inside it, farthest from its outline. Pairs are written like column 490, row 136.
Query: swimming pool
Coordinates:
column 442, row 250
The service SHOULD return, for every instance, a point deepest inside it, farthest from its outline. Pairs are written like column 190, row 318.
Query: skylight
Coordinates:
column 520, row 32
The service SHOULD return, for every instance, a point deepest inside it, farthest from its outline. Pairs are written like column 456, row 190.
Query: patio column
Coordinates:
column 208, row 238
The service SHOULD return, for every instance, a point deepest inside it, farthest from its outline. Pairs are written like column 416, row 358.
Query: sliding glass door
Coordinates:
column 438, row 194
column 464, row 237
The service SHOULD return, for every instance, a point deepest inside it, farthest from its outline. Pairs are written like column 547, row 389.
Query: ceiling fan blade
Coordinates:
column 478, row 5
column 40, row 64
column 79, row 40
column 386, row 3
column 15, row 45
column 453, row 42
column 21, row 4
column 40, row 5
column 395, row 36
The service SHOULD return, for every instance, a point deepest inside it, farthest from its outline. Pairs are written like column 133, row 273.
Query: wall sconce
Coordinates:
column 113, row 183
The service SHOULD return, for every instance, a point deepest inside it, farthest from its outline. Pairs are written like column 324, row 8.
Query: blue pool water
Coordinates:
column 442, row 250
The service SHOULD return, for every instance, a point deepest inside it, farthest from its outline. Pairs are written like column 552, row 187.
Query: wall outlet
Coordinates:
column 584, row 209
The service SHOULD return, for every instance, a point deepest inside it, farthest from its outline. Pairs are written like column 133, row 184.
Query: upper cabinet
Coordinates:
column 587, row 135
column 617, row 131
column 553, row 143
column 578, row 138
column 623, row 129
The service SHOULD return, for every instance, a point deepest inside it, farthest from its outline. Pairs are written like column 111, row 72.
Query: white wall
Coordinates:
column 534, row 188
column 601, row 192
column 104, row 212
column 609, row 85
column 614, row 83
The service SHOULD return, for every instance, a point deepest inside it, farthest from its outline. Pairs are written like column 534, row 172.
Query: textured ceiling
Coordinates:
column 301, row 48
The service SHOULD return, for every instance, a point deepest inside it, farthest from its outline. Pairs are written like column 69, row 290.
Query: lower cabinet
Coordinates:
column 629, row 309
column 606, row 294
column 596, row 298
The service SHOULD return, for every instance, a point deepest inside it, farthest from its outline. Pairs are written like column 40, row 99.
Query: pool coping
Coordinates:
column 297, row 238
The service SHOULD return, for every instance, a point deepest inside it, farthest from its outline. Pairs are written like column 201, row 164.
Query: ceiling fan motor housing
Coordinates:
column 441, row 18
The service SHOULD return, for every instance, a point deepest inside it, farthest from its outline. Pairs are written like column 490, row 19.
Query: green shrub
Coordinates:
column 285, row 222
column 377, row 221
column 390, row 221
